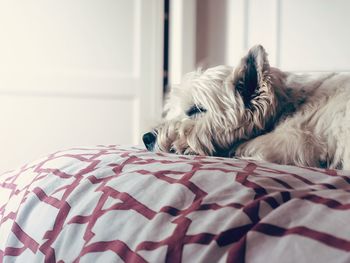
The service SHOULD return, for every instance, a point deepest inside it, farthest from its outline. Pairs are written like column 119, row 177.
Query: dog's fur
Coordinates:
column 257, row 111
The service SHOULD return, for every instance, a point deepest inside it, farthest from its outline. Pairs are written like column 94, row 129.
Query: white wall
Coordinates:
column 299, row 35
column 212, row 23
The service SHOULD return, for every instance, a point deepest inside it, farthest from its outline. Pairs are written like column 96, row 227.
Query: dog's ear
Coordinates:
column 251, row 73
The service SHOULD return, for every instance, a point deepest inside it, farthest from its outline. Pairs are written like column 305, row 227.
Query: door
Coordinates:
column 75, row 73
column 299, row 35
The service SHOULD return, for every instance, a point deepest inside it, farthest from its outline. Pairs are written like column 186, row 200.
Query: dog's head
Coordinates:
column 212, row 110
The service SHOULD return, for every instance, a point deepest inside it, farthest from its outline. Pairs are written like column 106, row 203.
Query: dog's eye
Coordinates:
column 195, row 109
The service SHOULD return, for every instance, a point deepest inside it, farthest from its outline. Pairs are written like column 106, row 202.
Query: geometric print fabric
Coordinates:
column 125, row 204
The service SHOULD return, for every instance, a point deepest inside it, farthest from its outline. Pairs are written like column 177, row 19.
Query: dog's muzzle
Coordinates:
column 149, row 139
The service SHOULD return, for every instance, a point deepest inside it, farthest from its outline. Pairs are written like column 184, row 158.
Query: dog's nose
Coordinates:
column 149, row 140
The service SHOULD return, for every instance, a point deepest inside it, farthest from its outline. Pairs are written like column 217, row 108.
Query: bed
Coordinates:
column 125, row 204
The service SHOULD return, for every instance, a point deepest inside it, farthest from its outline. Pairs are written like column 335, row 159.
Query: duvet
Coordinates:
column 124, row 204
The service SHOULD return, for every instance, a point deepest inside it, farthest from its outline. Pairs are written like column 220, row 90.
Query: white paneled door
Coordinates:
column 76, row 73
column 300, row 35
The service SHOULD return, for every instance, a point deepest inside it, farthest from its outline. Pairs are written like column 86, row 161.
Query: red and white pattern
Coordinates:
column 114, row 204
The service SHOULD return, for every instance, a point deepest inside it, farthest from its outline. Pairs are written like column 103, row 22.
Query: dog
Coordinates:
column 258, row 112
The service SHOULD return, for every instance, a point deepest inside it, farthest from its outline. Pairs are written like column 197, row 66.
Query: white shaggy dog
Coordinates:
column 257, row 111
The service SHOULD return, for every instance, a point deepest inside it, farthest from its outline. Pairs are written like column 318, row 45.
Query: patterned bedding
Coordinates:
column 124, row 204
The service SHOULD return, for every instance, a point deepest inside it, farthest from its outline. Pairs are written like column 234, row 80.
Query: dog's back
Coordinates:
column 317, row 133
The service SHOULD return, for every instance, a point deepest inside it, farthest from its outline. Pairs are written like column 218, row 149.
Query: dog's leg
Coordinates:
column 285, row 145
